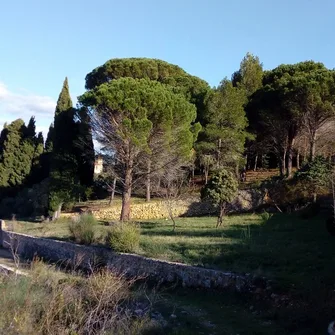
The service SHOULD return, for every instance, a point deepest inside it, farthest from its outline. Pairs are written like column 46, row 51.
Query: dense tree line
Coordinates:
column 291, row 113
column 20, row 148
column 60, row 169
column 155, row 120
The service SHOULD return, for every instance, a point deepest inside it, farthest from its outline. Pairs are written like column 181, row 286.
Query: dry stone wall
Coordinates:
column 126, row 264
column 246, row 200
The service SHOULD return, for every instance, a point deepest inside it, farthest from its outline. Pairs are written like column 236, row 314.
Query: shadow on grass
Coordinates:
column 294, row 251
column 200, row 232
column 153, row 225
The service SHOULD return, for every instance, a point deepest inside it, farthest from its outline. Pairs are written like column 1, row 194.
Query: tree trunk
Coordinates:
column 148, row 183
column 126, row 194
column 57, row 213
column 314, row 197
column 312, row 147
column 170, row 207
column 298, row 160
column 206, row 175
column 305, row 153
column 221, row 214
column 218, row 153
column 289, row 160
column 282, row 167
column 111, row 198
column 256, row 159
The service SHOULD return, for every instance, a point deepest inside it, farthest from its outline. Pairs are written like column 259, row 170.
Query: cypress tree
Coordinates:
column 49, row 141
column 72, row 154
column 37, row 174
column 45, row 159
column 62, row 162
column 64, row 124
column 17, row 152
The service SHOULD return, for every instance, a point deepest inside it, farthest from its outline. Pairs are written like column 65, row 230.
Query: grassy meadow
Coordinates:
column 298, row 255
column 288, row 249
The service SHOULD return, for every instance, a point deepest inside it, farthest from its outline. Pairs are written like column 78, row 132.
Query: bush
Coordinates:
column 83, row 229
column 68, row 206
column 123, row 237
column 88, row 193
column 316, row 176
column 265, row 217
column 288, row 195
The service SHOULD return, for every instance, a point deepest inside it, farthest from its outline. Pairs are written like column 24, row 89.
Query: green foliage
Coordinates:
column 139, row 68
column 265, row 217
column 71, row 152
column 28, row 202
column 20, row 151
column 68, row 206
column 89, row 191
column 123, row 237
column 316, row 173
column 141, row 104
column 249, row 77
column 293, row 194
column 294, row 99
column 145, row 68
column 83, row 229
column 221, row 188
column 145, row 110
column 170, row 132
column 83, row 147
column 224, row 134
column 63, row 165
column 315, row 176
column 193, row 88
column 49, row 140
column 64, row 102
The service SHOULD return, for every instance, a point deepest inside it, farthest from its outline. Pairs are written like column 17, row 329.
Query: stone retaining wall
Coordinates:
column 135, row 266
column 246, row 200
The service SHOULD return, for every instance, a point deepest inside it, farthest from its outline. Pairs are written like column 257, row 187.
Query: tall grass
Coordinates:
column 51, row 302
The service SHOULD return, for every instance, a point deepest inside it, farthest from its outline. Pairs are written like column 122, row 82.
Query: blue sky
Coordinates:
column 42, row 41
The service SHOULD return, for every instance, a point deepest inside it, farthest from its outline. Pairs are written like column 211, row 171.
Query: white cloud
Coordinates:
column 14, row 105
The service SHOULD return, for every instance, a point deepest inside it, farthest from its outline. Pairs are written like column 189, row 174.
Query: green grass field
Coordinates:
column 287, row 249
column 298, row 255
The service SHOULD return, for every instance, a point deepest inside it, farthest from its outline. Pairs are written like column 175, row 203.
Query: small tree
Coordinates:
column 316, row 175
column 172, row 184
column 220, row 190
